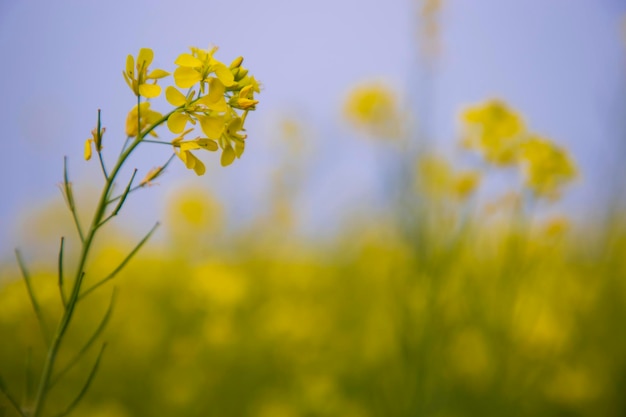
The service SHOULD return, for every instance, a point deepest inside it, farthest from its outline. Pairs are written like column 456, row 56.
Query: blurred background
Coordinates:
column 370, row 254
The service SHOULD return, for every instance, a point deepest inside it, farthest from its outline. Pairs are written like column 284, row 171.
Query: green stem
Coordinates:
column 53, row 350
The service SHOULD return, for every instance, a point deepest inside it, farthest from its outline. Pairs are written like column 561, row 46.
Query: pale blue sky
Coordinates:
column 560, row 62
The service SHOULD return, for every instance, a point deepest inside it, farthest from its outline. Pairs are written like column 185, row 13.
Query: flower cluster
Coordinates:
column 136, row 76
column 216, row 93
column 215, row 97
column 499, row 134
column 495, row 130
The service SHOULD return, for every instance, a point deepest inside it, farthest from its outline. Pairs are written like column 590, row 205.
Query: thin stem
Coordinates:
column 63, row 298
column 99, row 146
column 121, row 203
column 104, row 170
column 85, row 387
column 90, row 342
column 157, row 142
column 69, row 196
column 143, row 184
column 121, row 265
column 31, row 294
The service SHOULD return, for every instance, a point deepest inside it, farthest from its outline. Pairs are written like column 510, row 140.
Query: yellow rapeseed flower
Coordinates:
column 547, row 167
column 198, row 67
column 137, row 76
column 495, row 130
column 148, row 117
column 232, row 141
column 373, row 108
column 184, row 147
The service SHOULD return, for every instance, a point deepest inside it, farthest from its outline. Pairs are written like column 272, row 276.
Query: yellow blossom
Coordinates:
column 184, row 147
column 373, row 108
column 192, row 110
column 148, row 117
column 198, row 66
column 546, row 167
column 136, row 76
column 232, row 141
column 495, row 130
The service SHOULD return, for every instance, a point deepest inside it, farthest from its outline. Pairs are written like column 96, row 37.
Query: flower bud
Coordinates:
column 236, row 62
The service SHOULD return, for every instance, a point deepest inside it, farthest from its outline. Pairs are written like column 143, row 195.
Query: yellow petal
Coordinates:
column 189, row 146
column 215, row 99
column 239, row 148
column 87, row 149
column 149, row 90
column 208, row 144
column 130, row 66
column 144, row 59
column 212, row 126
column 199, row 167
column 228, row 156
column 236, row 62
column 224, row 74
column 187, row 60
column 185, row 77
column 174, row 97
column 158, row 73
column 234, row 126
column 177, row 121
column 246, row 103
column 191, row 162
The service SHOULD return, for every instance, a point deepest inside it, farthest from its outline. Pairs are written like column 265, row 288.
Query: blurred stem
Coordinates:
column 69, row 195
column 60, row 282
column 33, row 299
column 53, row 350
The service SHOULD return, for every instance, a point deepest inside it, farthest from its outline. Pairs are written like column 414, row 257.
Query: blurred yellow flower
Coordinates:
column 194, row 209
column 556, row 226
column 437, row 178
column 137, row 80
column 373, row 108
column 148, row 117
column 546, row 167
column 495, row 130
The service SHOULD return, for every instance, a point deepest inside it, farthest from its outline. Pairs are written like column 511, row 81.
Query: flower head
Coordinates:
column 546, row 167
column 192, row 108
column 200, row 67
column 495, row 130
column 184, row 147
column 373, row 108
column 147, row 115
column 137, row 76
